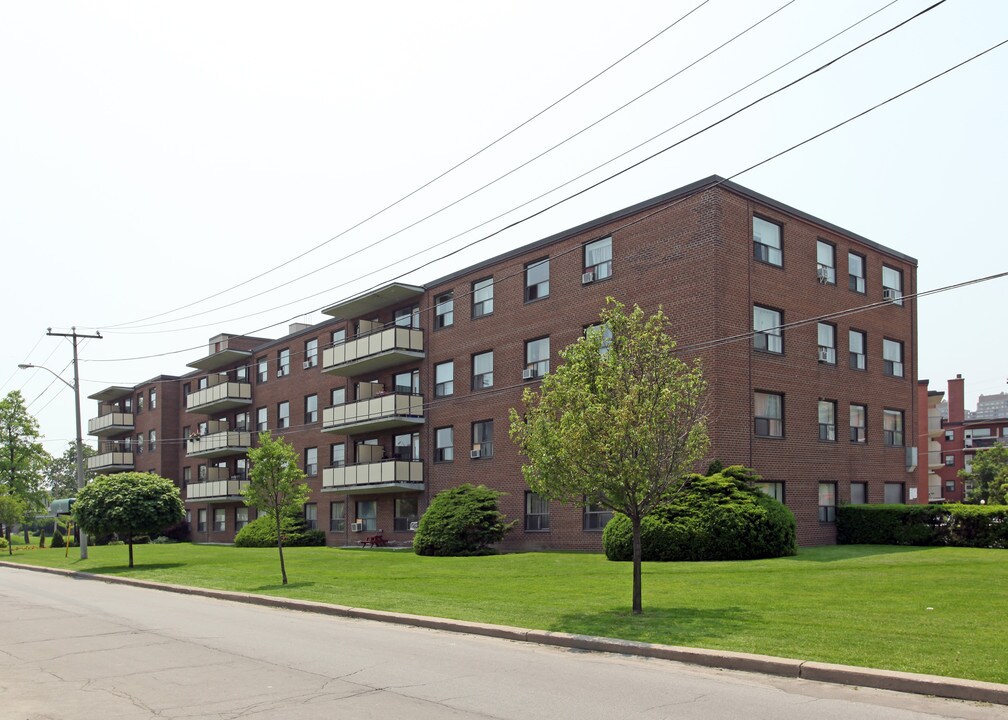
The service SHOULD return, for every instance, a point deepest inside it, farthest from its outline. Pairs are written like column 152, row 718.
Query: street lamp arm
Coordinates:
column 29, row 366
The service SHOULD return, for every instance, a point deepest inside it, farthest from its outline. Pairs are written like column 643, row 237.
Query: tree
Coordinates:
column 275, row 484
column 22, row 457
column 128, row 504
column 989, row 476
column 619, row 424
column 61, row 472
column 463, row 520
column 12, row 510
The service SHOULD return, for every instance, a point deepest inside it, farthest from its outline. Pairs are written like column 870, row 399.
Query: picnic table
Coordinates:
column 374, row 540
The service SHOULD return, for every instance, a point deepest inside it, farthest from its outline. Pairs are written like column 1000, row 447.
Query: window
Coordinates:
column 949, row 460
column 186, row 475
column 767, row 333
column 262, row 422
column 283, row 362
column 596, row 517
column 201, row 520
column 607, row 336
column 262, row 370
column 263, row 513
column 858, row 423
column 241, row 468
column 950, row 486
column 858, row 493
column 537, row 280
column 407, row 382
column 241, row 518
column 444, row 310
column 140, row 402
column 767, row 241
column 202, row 384
column 139, row 443
column 241, row 373
column 311, row 353
column 769, row 414
column 337, row 455
column 537, row 356
column 892, row 357
column 311, row 461
column 482, row 437
column 201, row 473
column 482, row 369
column 892, row 427
column 825, row 262
column 537, row 517
column 406, row 512
column 219, row 520
column 444, row 450
column 186, row 389
column 827, row 502
column 152, row 441
column 153, row 399
column 241, row 422
column 337, row 516
column 338, row 336
column 283, row 414
column 367, row 515
column 311, row 515
column 407, row 317
column 827, row 343
column 856, row 272
column 892, row 285
column 444, row 379
column 950, row 434
column 598, row 258
column 337, row 396
column 856, row 342
column 827, row 420
column 893, row 493
column 406, row 446
column 310, row 409
column 773, row 489
column 482, row 297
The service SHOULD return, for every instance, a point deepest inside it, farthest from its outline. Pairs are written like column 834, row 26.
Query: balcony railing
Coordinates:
column 374, row 351
column 110, row 423
column 228, row 490
column 111, row 461
column 374, row 477
column 218, row 444
column 220, row 397
column 377, row 413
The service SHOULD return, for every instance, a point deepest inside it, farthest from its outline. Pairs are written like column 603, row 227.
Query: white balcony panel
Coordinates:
column 112, row 423
column 220, row 397
column 219, row 444
column 111, row 461
column 386, row 476
column 374, row 351
column 378, row 413
column 220, row 490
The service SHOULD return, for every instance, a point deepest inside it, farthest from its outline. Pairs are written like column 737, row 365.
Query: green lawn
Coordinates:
column 932, row 610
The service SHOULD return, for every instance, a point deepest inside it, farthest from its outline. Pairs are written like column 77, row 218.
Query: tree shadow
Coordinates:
column 280, row 586
column 660, row 624
column 124, row 568
column 837, row 553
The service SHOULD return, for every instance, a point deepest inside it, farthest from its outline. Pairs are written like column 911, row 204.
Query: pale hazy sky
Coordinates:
column 152, row 154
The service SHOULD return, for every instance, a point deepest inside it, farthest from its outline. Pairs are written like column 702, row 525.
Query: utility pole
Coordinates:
column 74, row 335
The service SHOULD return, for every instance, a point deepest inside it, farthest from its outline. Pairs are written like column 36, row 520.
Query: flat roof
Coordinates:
column 219, row 359
column 373, row 300
column 113, row 392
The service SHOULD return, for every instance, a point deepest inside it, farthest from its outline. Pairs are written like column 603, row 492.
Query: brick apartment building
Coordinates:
column 406, row 391
column 952, row 442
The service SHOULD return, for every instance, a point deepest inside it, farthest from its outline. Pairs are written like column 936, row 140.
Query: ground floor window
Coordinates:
column 537, row 517
column 241, row 518
column 367, row 515
column 406, row 515
column 773, row 489
column 337, row 516
column 219, row 520
column 858, row 493
column 950, row 486
column 893, row 493
column 201, row 520
column 311, row 515
column 827, row 502
column 596, row 517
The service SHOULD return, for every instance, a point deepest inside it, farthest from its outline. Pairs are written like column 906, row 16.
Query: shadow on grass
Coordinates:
column 834, row 553
column 124, row 568
column 666, row 625
column 270, row 589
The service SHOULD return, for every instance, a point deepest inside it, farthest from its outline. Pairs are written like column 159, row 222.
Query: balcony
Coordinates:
column 112, row 461
column 385, row 476
column 935, row 460
column 373, row 349
column 218, row 444
column 369, row 414
column 228, row 490
column 221, row 395
column 110, row 422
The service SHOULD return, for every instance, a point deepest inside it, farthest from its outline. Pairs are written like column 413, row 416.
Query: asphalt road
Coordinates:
column 74, row 649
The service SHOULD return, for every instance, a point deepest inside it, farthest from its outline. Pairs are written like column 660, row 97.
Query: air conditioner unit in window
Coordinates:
column 306, row 364
column 824, row 354
column 822, row 272
column 357, row 527
column 413, row 526
column 474, row 454
column 890, row 294
column 588, row 277
column 528, row 374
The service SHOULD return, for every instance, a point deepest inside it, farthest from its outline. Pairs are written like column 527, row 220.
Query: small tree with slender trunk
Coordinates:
column 12, row 510
column 276, row 484
column 22, row 458
column 619, row 424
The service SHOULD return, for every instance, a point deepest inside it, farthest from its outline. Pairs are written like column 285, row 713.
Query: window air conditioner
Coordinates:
column 306, row 364
column 588, row 277
column 822, row 272
column 528, row 374
column 357, row 527
column 824, row 354
column 890, row 294
column 280, row 372
column 413, row 526
column 474, row 454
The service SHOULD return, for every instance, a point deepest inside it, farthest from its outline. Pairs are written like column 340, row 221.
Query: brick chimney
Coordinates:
column 956, row 408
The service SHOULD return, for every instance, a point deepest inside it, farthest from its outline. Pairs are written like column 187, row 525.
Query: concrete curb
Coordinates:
column 936, row 685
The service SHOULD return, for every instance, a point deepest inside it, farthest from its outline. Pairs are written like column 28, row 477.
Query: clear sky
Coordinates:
column 153, row 154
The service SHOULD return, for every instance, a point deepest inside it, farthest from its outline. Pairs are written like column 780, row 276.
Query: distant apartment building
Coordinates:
column 405, row 392
column 990, row 406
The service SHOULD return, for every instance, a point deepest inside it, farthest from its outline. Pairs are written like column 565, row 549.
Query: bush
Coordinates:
column 720, row 517
column 958, row 525
column 464, row 520
column 261, row 532
column 3, row 543
column 59, row 541
column 163, row 540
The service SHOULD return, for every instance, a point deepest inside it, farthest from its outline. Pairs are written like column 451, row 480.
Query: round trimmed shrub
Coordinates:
column 3, row 543
column 464, row 520
column 720, row 517
column 261, row 532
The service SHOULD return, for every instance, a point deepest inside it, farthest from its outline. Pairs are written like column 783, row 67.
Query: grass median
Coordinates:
column 931, row 610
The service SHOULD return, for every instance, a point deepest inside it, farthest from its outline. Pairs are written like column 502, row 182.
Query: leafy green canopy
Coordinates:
column 261, row 532
column 989, row 475
column 128, row 504
column 463, row 520
column 22, row 457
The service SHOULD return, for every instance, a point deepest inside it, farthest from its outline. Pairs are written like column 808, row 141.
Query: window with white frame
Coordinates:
column 283, row 414
column 311, row 353
column 537, row 280
column 201, row 519
column 949, row 460
column 444, row 310
column 892, row 285
column 773, row 489
column 827, row 502
column 153, row 399
column 367, row 515
column 444, row 444
column 892, row 357
column 827, row 420
column 827, row 343
column 262, row 421
column 858, row 423
column 337, row 396
column 537, row 515
column 606, row 336
column 444, row 379
column 219, row 520
column 407, row 317
column 767, row 241
column 596, row 517
column 825, row 262
column 482, row 369
column 262, row 370
column 311, row 461
column 950, row 435
column 598, row 258
column 482, row 297
column 241, row 518
column 311, row 515
column 857, row 342
column 310, row 409
column 768, row 409
column 482, row 438
column 337, row 516
column 338, row 336
column 407, row 382
column 406, row 446
column 537, row 356
column 337, row 455
column 856, row 272
column 892, row 427
column 283, row 362
column 152, row 441
column 406, row 514
column 767, row 333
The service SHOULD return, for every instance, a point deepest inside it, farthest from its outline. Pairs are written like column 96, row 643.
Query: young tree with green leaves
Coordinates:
column 276, row 484
column 22, row 457
column 61, row 472
column 619, row 424
column 989, row 476
column 128, row 504
column 12, row 510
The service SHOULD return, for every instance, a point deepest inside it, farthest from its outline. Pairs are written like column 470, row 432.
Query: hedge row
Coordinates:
column 261, row 532
column 956, row 525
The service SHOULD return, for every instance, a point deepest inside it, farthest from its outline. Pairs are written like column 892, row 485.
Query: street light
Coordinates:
column 75, row 386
